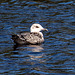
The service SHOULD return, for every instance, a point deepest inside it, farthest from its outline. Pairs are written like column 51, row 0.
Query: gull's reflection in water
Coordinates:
column 33, row 52
column 36, row 52
column 36, row 48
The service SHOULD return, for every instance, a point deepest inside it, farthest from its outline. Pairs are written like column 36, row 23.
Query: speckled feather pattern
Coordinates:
column 28, row 38
column 32, row 37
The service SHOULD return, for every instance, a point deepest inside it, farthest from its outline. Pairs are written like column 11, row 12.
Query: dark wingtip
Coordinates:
column 14, row 37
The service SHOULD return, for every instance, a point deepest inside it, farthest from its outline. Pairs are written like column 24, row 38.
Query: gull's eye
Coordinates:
column 37, row 27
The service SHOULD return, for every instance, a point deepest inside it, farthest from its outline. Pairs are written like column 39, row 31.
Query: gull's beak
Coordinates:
column 45, row 29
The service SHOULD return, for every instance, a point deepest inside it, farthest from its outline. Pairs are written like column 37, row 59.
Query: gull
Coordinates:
column 35, row 36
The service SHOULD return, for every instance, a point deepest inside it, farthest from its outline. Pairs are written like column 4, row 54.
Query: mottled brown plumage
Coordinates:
column 33, row 37
column 28, row 38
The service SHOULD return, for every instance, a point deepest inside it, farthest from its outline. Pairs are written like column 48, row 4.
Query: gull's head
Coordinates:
column 37, row 28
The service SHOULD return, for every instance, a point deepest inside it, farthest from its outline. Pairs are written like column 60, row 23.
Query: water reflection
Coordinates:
column 36, row 48
column 34, row 52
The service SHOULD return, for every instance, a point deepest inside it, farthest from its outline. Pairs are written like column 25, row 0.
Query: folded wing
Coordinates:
column 28, row 38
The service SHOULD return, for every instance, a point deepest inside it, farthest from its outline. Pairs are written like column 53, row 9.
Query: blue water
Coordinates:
column 56, row 56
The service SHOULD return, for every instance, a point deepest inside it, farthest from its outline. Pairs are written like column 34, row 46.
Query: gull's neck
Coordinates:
column 40, row 34
column 34, row 31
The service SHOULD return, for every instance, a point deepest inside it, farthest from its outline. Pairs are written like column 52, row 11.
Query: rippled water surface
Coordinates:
column 56, row 56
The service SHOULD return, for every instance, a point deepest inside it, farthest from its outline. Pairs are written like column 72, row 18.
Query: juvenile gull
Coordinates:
column 32, row 37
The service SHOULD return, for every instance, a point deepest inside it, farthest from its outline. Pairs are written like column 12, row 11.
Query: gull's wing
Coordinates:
column 32, row 38
column 28, row 38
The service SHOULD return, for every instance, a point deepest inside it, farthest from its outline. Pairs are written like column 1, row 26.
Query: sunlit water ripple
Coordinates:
column 56, row 56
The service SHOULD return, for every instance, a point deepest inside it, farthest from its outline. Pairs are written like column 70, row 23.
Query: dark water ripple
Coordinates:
column 56, row 56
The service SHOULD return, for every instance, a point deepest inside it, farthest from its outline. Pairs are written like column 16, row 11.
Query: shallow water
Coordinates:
column 56, row 56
